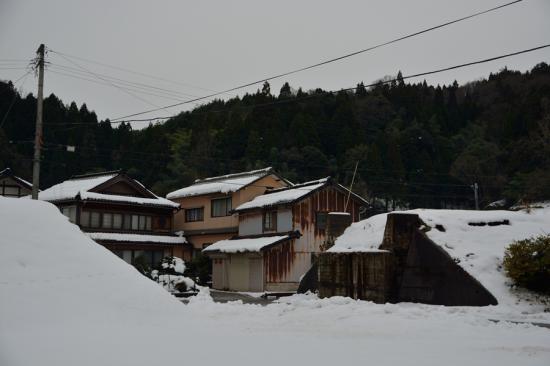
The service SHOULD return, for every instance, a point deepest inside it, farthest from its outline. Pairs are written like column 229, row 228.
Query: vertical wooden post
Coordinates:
column 38, row 132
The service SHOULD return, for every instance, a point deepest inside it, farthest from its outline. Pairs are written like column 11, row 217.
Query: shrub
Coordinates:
column 199, row 269
column 527, row 262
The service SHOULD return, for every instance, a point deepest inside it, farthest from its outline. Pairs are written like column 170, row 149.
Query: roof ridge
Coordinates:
column 98, row 174
column 299, row 185
column 233, row 175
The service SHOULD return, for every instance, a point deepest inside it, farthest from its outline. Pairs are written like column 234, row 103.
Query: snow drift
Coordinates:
column 65, row 300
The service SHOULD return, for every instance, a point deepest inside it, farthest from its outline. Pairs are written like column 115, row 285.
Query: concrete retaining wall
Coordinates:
column 410, row 267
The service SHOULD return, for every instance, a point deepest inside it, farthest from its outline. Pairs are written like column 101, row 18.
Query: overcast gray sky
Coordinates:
column 215, row 45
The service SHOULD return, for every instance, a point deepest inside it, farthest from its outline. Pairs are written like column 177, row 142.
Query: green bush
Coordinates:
column 199, row 269
column 527, row 262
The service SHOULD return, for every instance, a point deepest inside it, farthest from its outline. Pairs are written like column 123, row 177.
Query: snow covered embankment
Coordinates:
column 65, row 300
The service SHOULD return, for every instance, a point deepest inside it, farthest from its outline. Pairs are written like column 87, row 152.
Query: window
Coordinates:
column 107, row 221
column 117, row 221
column 321, row 220
column 142, row 223
column 270, row 221
column 127, row 222
column 70, row 212
column 135, row 222
column 221, row 207
column 194, row 214
column 85, row 218
column 94, row 219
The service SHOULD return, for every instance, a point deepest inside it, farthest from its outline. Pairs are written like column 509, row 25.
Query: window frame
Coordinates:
column 123, row 221
column 228, row 207
column 272, row 215
column 192, row 209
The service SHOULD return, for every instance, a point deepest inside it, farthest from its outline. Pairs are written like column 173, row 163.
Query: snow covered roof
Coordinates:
column 245, row 245
column 476, row 238
column 283, row 195
column 8, row 173
column 137, row 238
column 82, row 185
column 223, row 184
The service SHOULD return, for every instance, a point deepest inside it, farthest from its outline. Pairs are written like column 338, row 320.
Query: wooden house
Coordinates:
column 12, row 185
column 279, row 233
column 119, row 213
column 206, row 216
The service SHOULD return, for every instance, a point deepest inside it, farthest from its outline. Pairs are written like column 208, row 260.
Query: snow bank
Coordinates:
column 65, row 300
column 476, row 238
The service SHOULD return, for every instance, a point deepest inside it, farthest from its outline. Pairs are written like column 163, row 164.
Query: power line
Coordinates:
column 316, row 95
column 109, row 84
column 132, row 72
column 123, row 81
column 426, row 30
column 101, row 78
column 13, row 68
column 4, row 119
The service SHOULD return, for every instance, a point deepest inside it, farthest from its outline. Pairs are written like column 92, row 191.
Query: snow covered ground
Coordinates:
column 64, row 300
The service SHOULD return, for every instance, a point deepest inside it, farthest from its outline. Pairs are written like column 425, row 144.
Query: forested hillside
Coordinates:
column 415, row 144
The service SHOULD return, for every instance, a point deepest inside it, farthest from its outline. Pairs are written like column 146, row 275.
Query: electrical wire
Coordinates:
column 324, row 93
column 133, row 72
column 123, row 81
column 426, row 30
column 101, row 78
column 109, row 84
column 24, row 77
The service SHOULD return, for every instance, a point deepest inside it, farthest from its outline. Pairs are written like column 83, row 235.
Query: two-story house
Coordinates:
column 206, row 216
column 12, row 185
column 119, row 213
column 279, row 233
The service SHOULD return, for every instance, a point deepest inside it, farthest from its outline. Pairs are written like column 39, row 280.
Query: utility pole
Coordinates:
column 475, row 187
column 38, row 132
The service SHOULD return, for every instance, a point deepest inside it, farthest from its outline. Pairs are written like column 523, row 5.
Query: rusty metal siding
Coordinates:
column 283, row 264
column 304, row 217
column 278, row 261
